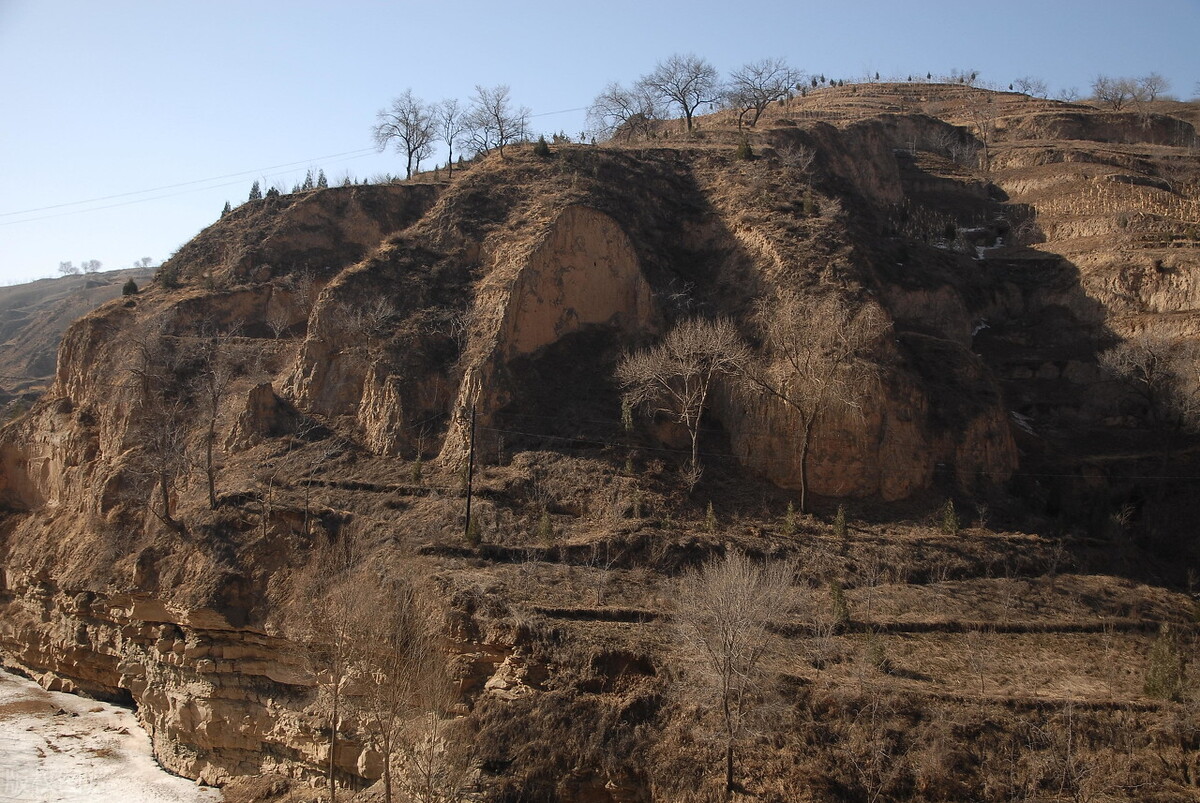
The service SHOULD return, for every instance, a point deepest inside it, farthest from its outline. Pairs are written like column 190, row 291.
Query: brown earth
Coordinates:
column 372, row 328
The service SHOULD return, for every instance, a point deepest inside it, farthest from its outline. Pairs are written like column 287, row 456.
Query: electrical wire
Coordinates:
column 362, row 152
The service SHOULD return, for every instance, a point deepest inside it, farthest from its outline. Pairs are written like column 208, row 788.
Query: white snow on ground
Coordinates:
column 62, row 748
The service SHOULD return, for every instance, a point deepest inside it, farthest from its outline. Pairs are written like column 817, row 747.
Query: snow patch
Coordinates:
column 1023, row 422
column 59, row 748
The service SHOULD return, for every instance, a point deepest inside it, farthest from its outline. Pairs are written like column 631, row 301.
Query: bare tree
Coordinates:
column 816, row 360
column 364, row 329
column 402, row 672
column 620, row 113
column 796, row 157
column 91, row 265
column 1165, row 374
column 685, row 80
column 1151, row 86
column 675, row 377
column 409, row 123
column 1034, row 87
column 1114, row 92
column 279, row 319
column 493, row 121
column 328, row 618
column 756, row 85
column 212, row 382
column 67, row 268
column 723, row 614
column 162, row 416
column 451, row 122
column 981, row 110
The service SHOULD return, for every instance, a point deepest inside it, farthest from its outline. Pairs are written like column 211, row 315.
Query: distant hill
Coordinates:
column 34, row 316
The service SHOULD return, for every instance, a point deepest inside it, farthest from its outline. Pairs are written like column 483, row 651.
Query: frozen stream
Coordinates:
column 59, row 747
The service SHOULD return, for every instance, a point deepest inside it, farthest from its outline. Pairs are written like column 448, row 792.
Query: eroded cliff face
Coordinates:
column 582, row 272
column 365, row 326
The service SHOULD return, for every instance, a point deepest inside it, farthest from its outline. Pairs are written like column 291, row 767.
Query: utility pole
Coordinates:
column 470, row 474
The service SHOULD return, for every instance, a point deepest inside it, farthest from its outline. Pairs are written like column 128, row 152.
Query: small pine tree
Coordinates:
column 272, row 192
column 167, row 276
column 840, row 530
column 1166, row 672
column 875, row 654
column 474, row 532
column 130, row 288
column 949, row 523
column 255, row 192
column 789, row 520
column 540, row 148
column 744, row 151
column 226, row 210
column 322, row 182
column 545, row 529
column 347, row 182
column 417, row 469
column 710, row 520
column 308, row 182
column 838, row 608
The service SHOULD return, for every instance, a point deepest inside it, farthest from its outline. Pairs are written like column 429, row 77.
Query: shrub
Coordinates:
column 789, row 520
column 710, row 520
column 744, row 151
column 1166, row 672
column 168, row 276
column 838, row 607
column 474, row 531
column 545, row 529
column 875, row 654
column 840, row 530
column 949, row 522
column 540, row 148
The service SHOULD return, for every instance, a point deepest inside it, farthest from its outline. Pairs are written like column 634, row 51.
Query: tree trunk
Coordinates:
column 387, row 774
column 805, row 432
column 208, row 464
column 164, row 489
column 333, row 747
column 729, row 767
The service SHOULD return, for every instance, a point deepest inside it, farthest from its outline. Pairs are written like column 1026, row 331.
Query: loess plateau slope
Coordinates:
column 313, row 370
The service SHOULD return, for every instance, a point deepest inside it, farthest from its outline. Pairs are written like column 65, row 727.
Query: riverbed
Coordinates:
column 62, row 748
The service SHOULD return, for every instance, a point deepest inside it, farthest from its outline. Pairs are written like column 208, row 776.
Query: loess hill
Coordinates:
column 309, row 370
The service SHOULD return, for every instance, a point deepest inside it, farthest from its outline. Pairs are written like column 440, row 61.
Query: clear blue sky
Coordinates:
column 104, row 99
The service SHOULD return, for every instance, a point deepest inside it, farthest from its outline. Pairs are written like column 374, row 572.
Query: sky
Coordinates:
column 126, row 126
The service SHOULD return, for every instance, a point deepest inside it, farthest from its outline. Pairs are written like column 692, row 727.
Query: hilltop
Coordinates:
column 33, row 317
column 301, row 397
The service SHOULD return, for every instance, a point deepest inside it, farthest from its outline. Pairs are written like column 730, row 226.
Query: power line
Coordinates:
column 152, row 198
column 243, row 173
column 560, row 111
